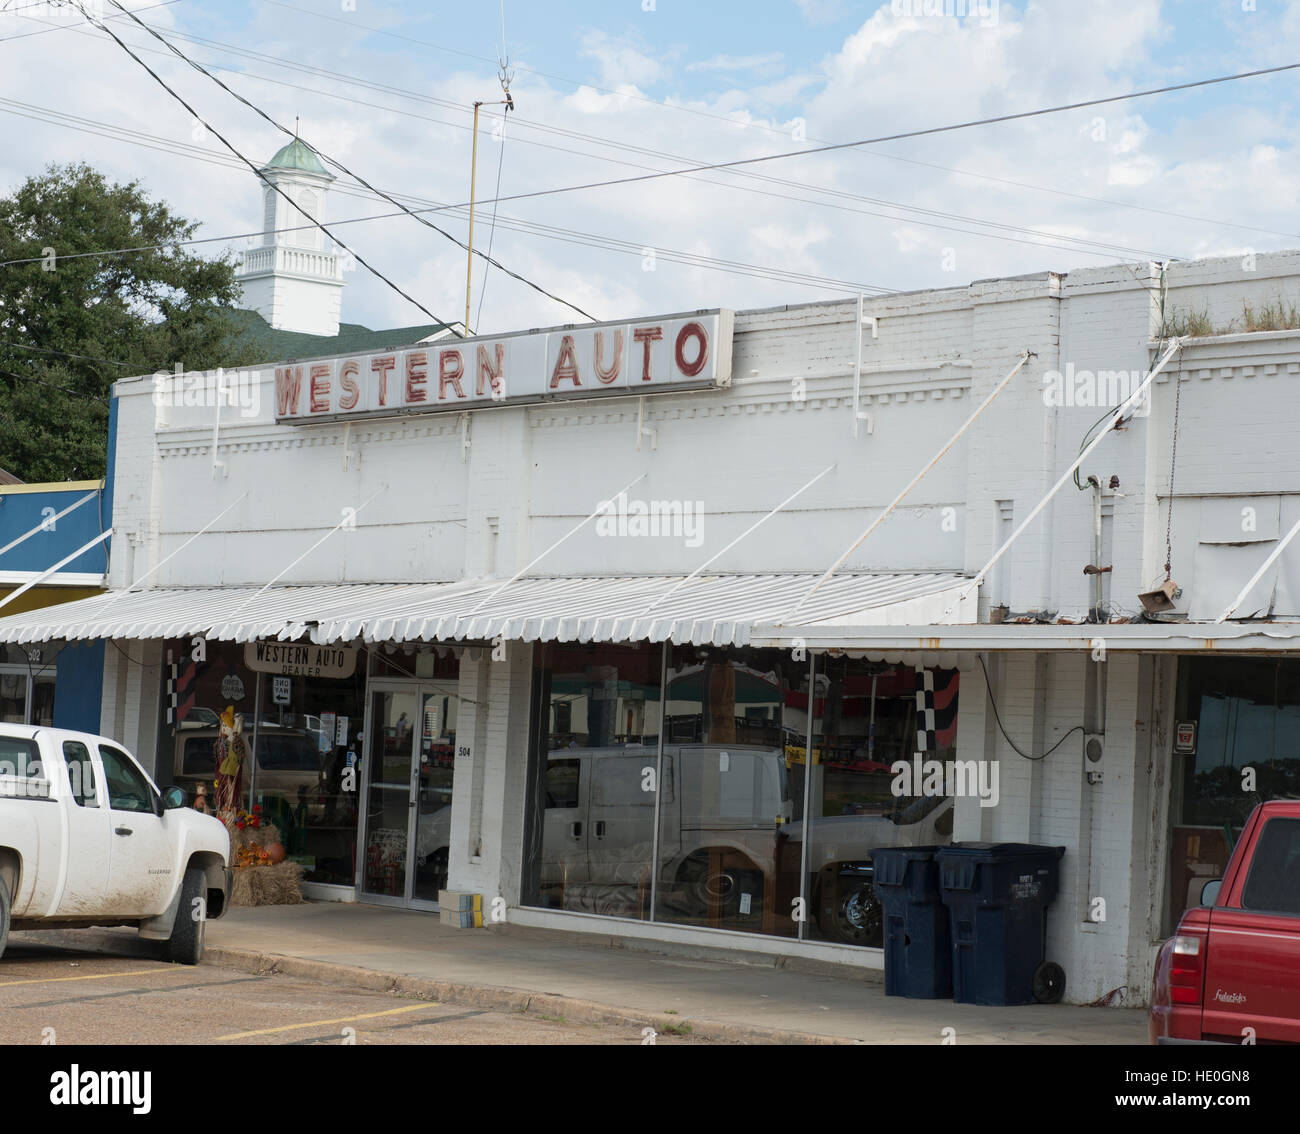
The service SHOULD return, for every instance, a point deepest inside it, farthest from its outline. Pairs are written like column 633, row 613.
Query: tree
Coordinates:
column 71, row 325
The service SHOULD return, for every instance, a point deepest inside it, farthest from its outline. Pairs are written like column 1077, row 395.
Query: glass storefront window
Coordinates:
column 730, row 719
column 596, row 737
column 301, row 734
column 27, row 683
column 1246, row 711
column 866, row 718
column 729, row 785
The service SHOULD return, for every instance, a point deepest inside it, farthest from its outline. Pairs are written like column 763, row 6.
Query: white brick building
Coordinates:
column 366, row 531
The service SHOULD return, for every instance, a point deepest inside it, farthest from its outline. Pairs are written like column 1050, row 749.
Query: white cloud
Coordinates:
column 622, row 61
column 733, row 63
column 1225, row 158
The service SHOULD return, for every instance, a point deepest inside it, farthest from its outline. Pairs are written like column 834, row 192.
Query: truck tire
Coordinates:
column 185, row 945
column 4, row 915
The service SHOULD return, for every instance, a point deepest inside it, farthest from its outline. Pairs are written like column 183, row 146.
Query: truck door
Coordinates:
column 85, row 850
column 1252, row 973
column 141, row 866
column 564, row 825
column 620, row 846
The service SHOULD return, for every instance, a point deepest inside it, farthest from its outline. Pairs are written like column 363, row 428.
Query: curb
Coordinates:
column 499, row 998
column 487, row 996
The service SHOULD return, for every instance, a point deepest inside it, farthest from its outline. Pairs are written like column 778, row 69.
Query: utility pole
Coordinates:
column 509, row 104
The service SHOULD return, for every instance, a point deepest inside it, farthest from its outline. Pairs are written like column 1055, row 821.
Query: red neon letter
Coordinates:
column 450, row 368
column 382, row 365
column 646, row 336
column 616, row 364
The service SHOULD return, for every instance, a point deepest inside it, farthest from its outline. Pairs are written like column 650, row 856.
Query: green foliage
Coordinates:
column 124, row 315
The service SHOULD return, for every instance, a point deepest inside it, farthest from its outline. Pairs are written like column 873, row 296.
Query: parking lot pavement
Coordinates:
column 52, row 994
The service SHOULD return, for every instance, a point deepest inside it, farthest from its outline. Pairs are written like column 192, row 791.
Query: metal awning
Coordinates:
column 706, row 610
column 1247, row 636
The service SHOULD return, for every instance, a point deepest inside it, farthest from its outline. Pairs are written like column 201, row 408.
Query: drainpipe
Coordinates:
column 1096, row 548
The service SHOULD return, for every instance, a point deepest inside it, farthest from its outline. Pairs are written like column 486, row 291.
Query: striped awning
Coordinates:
column 708, row 610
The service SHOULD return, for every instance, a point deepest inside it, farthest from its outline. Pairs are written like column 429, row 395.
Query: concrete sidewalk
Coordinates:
column 582, row 976
column 718, row 995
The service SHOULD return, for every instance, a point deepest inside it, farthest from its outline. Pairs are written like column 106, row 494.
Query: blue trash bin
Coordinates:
column 997, row 895
column 918, row 950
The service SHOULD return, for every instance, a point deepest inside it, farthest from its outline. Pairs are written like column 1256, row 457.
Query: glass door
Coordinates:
column 432, row 813
column 408, row 790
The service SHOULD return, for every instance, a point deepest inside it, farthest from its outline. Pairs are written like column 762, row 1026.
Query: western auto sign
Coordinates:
column 291, row 659
column 650, row 356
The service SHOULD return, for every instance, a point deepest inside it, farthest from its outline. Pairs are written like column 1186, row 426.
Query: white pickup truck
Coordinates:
column 87, row 838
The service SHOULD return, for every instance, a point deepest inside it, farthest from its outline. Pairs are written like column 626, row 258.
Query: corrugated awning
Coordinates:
column 708, row 610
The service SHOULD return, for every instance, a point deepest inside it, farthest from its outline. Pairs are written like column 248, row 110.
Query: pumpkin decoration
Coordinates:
column 275, row 851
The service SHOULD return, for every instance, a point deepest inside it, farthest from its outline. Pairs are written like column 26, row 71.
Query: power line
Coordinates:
column 1079, row 244
column 335, row 76
column 230, row 146
column 339, row 165
column 353, row 80
column 53, row 386
column 845, row 145
column 180, row 148
column 825, row 148
column 734, row 122
column 63, row 27
column 593, row 240
column 67, row 354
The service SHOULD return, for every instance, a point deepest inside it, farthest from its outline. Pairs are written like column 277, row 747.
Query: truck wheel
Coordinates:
column 4, row 915
column 185, row 945
column 858, row 918
column 711, row 889
column 1049, row 983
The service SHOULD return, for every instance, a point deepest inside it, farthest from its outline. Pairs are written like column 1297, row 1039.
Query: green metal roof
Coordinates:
column 267, row 344
column 298, row 155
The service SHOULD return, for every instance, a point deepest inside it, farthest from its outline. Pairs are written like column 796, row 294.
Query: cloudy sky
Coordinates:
column 612, row 89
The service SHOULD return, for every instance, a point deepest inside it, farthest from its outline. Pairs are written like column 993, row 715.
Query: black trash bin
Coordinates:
column 918, row 949
column 997, row 895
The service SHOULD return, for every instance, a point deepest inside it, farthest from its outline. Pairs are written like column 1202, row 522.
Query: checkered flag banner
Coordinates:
column 180, row 687
column 936, row 709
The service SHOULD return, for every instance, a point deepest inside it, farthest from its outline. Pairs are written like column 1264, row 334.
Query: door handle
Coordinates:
column 575, row 830
column 600, row 828
column 122, row 831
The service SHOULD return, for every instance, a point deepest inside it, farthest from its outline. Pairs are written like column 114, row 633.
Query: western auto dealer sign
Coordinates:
column 649, row 356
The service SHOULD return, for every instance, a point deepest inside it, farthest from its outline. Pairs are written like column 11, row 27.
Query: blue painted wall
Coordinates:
column 22, row 511
column 79, row 686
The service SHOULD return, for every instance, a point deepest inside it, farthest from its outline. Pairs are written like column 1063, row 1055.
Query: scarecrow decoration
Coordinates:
column 229, row 751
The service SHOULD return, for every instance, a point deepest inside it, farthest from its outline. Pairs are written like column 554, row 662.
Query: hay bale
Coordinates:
column 279, row 885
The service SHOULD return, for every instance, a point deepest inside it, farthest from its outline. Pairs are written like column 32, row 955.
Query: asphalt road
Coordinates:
column 65, row 996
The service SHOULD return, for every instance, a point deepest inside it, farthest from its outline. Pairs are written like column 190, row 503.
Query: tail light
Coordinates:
column 1186, row 969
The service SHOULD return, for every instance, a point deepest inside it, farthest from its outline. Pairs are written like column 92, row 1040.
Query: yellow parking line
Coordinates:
column 322, row 1023
column 92, row 976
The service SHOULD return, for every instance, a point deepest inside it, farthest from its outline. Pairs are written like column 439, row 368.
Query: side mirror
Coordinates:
column 173, row 797
column 1210, row 892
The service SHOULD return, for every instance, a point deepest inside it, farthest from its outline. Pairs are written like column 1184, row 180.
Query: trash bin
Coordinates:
column 997, row 895
column 918, row 950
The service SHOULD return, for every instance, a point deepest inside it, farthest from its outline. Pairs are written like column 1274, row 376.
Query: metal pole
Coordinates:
column 659, row 778
column 871, row 728
column 1084, row 454
column 252, row 756
column 857, row 367
column 807, row 791
column 469, row 253
column 1024, row 357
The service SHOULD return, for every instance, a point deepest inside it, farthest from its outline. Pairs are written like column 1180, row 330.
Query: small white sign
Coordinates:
column 341, row 731
column 326, row 736
column 280, row 687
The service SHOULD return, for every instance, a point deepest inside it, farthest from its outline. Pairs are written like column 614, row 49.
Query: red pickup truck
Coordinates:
column 1231, row 973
